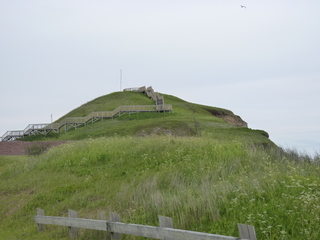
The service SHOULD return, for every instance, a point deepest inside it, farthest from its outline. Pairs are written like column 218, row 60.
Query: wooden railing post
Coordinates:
column 165, row 222
column 115, row 217
column 73, row 230
column 40, row 212
column 247, row 231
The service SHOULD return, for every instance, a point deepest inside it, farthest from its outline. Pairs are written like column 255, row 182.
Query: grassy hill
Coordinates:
column 190, row 165
column 186, row 119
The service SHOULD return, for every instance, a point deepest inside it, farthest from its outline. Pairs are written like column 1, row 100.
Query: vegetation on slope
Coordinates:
column 187, row 119
column 204, row 184
column 109, row 103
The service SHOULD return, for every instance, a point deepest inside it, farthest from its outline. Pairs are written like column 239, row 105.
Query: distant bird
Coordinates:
column 243, row 6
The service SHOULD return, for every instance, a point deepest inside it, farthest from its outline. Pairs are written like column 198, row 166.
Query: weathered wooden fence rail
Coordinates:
column 116, row 228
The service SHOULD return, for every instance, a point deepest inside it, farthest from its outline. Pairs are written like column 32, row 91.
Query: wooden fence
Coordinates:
column 116, row 228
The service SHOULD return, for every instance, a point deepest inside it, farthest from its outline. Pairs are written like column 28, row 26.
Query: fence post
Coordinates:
column 40, row 212
column 165, row 222
column 73, row 231
column 115, row 217
column 247, row 231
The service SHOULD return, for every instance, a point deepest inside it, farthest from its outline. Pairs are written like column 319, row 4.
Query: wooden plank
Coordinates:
column 40, row 212
column 160, row 233
column 115, row 217
column 73, row 222
column 247, row 231
column 73, row 230
column 165, row 222
column 131, row 229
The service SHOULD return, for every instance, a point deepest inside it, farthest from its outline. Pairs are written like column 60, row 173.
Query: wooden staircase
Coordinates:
column 74, row 122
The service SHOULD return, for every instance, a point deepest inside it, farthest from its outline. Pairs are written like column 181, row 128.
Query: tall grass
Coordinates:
column 203, row 184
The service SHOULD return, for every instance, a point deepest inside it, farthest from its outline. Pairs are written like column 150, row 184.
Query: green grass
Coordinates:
column 204, row 184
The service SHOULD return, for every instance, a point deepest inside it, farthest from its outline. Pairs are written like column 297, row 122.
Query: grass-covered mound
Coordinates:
column 205, row 184
column 186, row 119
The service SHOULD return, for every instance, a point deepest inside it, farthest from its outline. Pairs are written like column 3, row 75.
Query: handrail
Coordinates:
column 110, row 114
column 12, row 134
column 148, row 91
column 35, row 126
column 131, row 89
column 52, row 126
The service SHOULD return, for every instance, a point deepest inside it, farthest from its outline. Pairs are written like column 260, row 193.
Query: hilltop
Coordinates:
column 186, row 119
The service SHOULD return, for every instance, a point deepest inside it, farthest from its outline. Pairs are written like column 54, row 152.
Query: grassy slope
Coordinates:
column 109, row 102
column 206, row 183
column 202, row 183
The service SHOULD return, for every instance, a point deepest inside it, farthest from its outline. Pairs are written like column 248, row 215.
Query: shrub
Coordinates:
column 37, row 149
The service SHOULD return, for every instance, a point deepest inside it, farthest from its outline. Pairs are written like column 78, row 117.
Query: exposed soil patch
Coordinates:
column 227, row 115
column 20, row 147
column 234, row 120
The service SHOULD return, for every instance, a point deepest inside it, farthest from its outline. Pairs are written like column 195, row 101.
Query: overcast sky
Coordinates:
column 262, row 62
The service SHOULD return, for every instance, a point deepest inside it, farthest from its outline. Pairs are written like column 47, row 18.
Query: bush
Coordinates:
column 37, row 149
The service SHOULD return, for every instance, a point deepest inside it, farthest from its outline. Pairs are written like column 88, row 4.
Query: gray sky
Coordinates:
column 262, row 62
